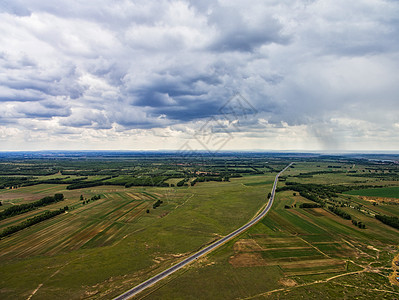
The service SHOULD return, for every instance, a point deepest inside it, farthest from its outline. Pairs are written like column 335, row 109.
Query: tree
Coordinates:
column 269, row 195
column 81, row 197
column 294, row 194
column 148, row 211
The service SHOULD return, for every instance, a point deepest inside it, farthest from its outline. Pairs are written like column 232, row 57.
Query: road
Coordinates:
column 142, row 286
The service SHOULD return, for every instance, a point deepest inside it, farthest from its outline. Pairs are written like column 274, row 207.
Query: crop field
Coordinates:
column 386, row 192
column 302, row 251
column 113, row 236
column 95, row 224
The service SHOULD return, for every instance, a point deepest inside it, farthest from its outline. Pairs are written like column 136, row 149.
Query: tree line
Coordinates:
column 31, row 221
column 340, row 212
column 309, row 205
column 388, row 220
column 86, row 201
column 23, row 208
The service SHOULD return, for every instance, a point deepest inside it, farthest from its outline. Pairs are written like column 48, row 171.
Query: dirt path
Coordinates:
column 395, row 271
column 185, row 201
column 301, row 285
column 366, row 268
column 317, row 249
column 51, row 276
column 34, row 292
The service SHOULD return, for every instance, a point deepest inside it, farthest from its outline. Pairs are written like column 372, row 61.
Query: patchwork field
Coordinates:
column 100, row 248
column 114, row 235
column 296, row 252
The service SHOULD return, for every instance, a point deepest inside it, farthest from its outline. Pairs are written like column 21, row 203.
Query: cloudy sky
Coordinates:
column 124, row 74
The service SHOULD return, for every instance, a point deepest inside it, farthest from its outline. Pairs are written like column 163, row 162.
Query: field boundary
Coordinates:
column 146, row 284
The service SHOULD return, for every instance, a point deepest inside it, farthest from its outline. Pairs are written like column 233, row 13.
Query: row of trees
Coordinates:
column 85, row 184
column 94, row 198
column 340, row 212
column 31, row 221
column 148, row 181
column 309, row 205
column 346, row 216
column 391, row 221
column 6, row 182
column 22, row 208
column 359, row 224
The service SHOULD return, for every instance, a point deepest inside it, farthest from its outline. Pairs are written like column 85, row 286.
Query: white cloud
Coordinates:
column 146, row 74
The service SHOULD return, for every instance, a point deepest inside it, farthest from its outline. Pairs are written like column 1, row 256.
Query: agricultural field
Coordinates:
column 114, row 236
column 386, row 192
column 292, row 253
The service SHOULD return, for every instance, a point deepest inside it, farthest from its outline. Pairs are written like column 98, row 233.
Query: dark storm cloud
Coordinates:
column 141, row 64
column 237, row 34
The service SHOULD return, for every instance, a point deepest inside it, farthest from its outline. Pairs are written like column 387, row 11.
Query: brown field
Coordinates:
column 292, row 254
column 317, row 212
column 247, row 259
column 287, row 282
column 379, row 199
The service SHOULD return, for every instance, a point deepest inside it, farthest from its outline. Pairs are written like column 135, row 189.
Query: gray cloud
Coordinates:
column 238, row 32
column 141, row 65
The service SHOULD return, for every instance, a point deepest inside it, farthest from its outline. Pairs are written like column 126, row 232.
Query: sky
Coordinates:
column 199, row 75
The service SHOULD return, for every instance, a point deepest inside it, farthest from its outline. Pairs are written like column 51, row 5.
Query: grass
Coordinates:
column 113, row 237
column 258, row 183
column 305, row 244
column 100, row 249
column 387, row 192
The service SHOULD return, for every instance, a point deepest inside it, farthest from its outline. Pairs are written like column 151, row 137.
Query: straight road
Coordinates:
column 142, row 286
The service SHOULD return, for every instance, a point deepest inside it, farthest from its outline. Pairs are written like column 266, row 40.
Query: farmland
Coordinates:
column 387, row 192
column 102, row 246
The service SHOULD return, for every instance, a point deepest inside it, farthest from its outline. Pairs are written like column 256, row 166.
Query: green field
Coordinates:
column 294, row 246
column 115, row 236
column 386, row 192
column 99, row 249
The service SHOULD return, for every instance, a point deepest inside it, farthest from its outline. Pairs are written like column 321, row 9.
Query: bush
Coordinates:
column 156, row 204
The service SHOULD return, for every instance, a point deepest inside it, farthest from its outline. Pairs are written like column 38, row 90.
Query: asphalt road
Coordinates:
column 142, row 286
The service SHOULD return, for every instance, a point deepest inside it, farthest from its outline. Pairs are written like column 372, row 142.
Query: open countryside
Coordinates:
column 387, row 192
column 113, row 236
column 197, row 150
